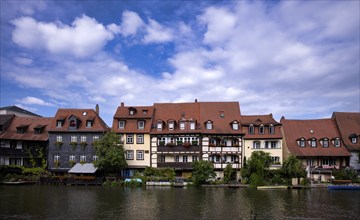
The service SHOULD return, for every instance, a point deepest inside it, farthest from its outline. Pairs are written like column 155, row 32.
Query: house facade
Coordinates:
column 221, row 135
column 133, row 125
column 262, row 132
column 317, row 143
column 348, row 124
column 176, row 137
column 72, row 135
column 24, row 140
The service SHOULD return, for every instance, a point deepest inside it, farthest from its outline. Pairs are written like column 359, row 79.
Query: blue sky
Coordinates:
column 299, row 59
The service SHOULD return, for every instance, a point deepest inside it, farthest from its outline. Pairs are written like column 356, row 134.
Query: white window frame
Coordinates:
column 83, row 158
column 121, row 124
column 209, row 125
column 96, row 138
column 325, row 143
column 95, row 158
column 59, row 138
column 59, row 124
column 129, row 155
column 139, row 138
column 162, row 159
column 261, row 129
column 182, row 125
column 73, row 138
column 192, row 125
column 177, row 158
column 194, row 158
column 72, row 158
column 256, row 145
column 251, row 129
column 129, row 138
column 159, row 125
column 57, row 158
column 313, row 143
column 235, row 126
column 141, row 125
column 185, row 159
column 171, row 125
column 337, row 142
column 83, row 138
column 140, row 155
column 354, row 140
column 271, row 129
column 88, row 124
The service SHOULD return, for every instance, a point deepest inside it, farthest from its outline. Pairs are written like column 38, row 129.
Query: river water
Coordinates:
column 96, row 202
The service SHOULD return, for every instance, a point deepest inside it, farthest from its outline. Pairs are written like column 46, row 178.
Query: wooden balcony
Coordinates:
column 178, row 148
column 176, row 165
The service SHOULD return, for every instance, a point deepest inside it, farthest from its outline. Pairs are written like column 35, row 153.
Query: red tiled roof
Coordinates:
column 176, row 112
column 81, row 114
column 348, row 124
column 257, row 120
column 222, row 114
column 29, row 124
column 294, row 130
column 143, row 113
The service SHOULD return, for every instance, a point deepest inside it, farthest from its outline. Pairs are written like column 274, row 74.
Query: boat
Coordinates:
column 272, row 187
column 344, row 187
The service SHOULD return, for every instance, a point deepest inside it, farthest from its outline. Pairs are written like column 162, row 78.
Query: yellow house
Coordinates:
column 133, row 124
column 263, row 133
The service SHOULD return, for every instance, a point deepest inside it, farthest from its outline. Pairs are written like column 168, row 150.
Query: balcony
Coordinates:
column 178, row 148
column 176, row 165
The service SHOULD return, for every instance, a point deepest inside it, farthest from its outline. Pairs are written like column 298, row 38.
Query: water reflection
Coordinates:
column 64, row 202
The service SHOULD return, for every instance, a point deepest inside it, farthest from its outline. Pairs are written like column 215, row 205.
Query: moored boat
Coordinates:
column 344, row 187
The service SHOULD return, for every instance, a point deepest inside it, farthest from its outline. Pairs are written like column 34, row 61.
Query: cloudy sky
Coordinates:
column 299, row 59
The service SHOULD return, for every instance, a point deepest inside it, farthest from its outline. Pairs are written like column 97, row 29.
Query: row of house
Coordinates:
column 176, row 134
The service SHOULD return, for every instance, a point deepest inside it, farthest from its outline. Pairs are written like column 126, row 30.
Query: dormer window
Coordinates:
column 337, row 142
column 302, row 142
column 39, row 129
column 251, row 129
column 145, row 112
column 325, row 142
column 192, row 125
column 141, row 125
column 261, row 129
column 209, row 125
column 59, row 123
column 72, row 123
column 235, row 126
column 353, row 140
column 132, row 111
column 313, row 142
column 271, row 129
column 182, row 125
column 159, row 125
column 171, row 125
column 21, row 129
column 89, row 123
column 121, row 124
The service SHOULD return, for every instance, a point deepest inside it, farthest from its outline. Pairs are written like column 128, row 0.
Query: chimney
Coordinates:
column 122, row 104
column 195, row 100
column 97, row 109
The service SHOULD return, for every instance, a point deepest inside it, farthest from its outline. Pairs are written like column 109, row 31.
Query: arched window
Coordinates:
column 235, row 125
column 261, row 129
column 209, row 125
column 251, row 129
column 271, row 129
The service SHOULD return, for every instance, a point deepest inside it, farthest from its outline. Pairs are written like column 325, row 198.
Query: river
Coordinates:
column 96, row 202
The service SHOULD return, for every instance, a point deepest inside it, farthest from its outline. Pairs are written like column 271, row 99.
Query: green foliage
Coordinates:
column 258, row 164
column 159, row 174
column 293, row 168
column 229, row 173
column 111, row 154
column 202, row 171
column 345, row 174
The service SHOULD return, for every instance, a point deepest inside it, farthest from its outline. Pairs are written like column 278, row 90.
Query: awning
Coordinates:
column 83, row 168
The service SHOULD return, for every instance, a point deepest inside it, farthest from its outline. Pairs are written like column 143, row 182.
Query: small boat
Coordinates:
column 272, row 187
column 344, row 187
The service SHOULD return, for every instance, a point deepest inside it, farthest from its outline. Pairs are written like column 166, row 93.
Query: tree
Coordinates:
column 229, row 173
column 202, row 171
column 293, row 168
column 110, row 152
column 256, row 167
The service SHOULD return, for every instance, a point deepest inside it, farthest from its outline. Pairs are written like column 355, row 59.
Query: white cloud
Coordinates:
column 157, row 33
column 84, row 37
column 29, row 100
column 131, row 22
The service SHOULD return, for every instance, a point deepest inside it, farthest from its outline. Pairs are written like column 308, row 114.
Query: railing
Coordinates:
column 182, row 165
column 177, row 148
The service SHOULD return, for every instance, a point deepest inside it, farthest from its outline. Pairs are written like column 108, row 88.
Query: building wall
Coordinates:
column 145, row 147
column 355, row 160
column 274, row 152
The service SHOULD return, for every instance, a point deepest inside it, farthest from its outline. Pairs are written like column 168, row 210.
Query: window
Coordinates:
column 192, row 125
column 129, row 154
column 73, row 139
column 177, row 158
column 140, row 155
column 251, row 129
column 159, row 125
column 325, row 143
column 182, row 125
column 171, row 125
column 275, row 159
column 235, row 125
column 256, row 144
column 83, row 139
column 217, row 159
column 72, row 123
column 95, row 158
column 273, row 144
column 353, row 140
column 141, row 125
column 88, row 123
column 131, row 112
column 234, row 158
column 58, row 138
column 261, row 129
column 95, row 138
column 57, row 158
column 310, row 162
column 161, row 158
column 337, row 142
column 140, row 139
column 271, row 129
column 38, row 130
column 185, row 158
column 129, row 138
column 121, row 124
column 208, row 125
column 194, row 158
column 83, row 158
column 72, row 158
column 59, row 123
column 313, row 142
column 302, row 143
